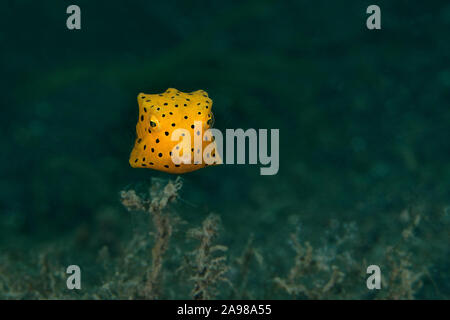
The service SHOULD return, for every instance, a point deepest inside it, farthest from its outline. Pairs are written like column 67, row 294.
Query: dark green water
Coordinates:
column 364, row 142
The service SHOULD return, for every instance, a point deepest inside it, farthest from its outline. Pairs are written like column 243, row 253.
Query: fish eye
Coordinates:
column 154, row 123
column 210, row 121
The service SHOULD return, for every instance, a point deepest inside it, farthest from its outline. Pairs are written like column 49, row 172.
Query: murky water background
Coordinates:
column 363, row 117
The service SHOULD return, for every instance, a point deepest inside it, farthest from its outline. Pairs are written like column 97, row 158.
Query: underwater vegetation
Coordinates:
column 173, row 259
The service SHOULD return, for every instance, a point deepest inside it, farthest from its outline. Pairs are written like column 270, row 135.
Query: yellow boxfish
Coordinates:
column 159, row 116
